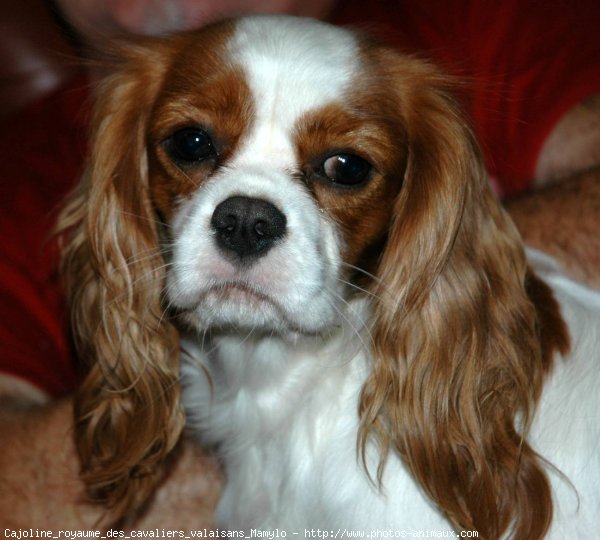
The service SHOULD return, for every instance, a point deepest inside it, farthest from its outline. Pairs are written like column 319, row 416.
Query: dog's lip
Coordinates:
column 233, row 289
column 253, row 297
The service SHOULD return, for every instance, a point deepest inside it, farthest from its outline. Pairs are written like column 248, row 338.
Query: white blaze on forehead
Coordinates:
column 292, row 66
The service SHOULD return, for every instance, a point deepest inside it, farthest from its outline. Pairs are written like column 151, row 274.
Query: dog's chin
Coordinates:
column 238, row 309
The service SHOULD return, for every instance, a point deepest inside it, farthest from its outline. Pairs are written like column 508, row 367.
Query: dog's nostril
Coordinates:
column 229, row 223
column 260, row 228
column 247, row 226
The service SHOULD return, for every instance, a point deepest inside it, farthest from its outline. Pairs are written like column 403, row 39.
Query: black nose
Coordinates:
column 246, row 226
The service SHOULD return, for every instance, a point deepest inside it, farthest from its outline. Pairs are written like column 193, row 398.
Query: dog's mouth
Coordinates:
column 234, row 306
column 241, row 293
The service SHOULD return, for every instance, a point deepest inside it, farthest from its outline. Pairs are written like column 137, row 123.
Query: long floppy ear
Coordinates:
column 127, row 412
column 457, row 365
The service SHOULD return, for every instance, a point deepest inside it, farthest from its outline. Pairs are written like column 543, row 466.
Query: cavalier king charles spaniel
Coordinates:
column 292, row 223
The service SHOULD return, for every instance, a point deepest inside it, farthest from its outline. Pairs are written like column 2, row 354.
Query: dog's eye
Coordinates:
column 190, row 145
column 346, row 169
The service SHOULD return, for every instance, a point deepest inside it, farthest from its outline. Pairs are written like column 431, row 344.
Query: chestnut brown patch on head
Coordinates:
column 203, row 89
column 552, row 329
column 363, row 126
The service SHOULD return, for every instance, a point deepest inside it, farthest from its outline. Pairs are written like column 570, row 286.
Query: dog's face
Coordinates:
column 255, row 175
column 274, row 172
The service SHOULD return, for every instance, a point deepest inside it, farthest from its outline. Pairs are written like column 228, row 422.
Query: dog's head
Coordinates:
column 259, row 174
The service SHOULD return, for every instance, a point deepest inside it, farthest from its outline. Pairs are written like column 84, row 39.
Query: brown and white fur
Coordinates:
column 303, row 216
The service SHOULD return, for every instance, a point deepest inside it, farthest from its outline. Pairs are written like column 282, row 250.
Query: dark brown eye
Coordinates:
column 346, row 169
column 189, row 145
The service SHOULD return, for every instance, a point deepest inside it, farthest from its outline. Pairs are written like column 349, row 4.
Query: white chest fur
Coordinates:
column 285, row 419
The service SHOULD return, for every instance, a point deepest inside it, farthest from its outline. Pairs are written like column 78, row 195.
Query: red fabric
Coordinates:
column 41, row 151
column 525, row 64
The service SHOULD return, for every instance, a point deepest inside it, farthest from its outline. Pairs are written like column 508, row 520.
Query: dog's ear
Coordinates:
column 127, row 411
column 457, row 364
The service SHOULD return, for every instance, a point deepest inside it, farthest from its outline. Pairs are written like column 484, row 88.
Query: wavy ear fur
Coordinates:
column 457, row 365
column 127, row 411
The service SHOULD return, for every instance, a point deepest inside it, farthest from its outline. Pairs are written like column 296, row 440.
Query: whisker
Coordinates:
column 349, row 320
column 359, row 288
column 342, row 207
column 141, row 257
column 363, row 271
column 184, row 174
column 154, row 221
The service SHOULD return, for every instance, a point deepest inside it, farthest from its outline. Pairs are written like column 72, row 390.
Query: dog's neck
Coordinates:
column 272, row 378
column 254, row 359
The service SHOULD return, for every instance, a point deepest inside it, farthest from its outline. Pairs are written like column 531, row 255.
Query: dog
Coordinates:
column 303, row 217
